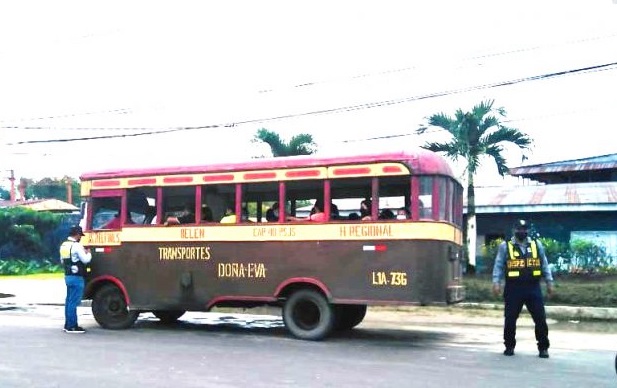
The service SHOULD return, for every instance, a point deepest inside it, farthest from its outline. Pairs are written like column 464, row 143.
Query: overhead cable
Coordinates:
column 541, row 77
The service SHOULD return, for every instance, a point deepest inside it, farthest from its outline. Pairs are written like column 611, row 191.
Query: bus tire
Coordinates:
column 308, row 315
column 110, row 309
column 168, row 316
column 348, row 316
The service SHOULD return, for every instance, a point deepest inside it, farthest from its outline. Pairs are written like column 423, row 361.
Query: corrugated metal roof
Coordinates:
column 554, row 197
column 54, row 205
column 604, row 162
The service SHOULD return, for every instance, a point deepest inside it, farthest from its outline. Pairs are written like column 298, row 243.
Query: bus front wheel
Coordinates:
column 308, row 315
column 168, row 316
column 110, row 309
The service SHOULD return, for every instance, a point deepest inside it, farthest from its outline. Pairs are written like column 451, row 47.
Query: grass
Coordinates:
column 570, row 290
column 41, row 276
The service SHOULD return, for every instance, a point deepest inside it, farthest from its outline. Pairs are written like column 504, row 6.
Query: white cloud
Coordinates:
column 174, row 64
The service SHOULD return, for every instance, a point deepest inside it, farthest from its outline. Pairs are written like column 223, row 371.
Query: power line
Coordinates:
column 588, row 69
column 473, row 58
column 118, row 111
column 317, row 82
column 437, row 130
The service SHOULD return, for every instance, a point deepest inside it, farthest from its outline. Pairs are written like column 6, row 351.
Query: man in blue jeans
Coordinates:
column 523, row 263
column 74, row 260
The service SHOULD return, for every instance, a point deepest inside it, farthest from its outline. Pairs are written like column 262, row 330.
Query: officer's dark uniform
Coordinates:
column 523, row 263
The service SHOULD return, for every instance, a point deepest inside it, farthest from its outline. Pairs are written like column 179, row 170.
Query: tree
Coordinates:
column 53, row 188
column 301, row 144
column 474, row 135
column 27, row 234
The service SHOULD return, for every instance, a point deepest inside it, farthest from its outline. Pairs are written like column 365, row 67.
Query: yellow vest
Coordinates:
column 523, row 267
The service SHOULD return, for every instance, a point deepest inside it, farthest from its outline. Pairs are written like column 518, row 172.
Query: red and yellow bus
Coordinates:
column 159, row 244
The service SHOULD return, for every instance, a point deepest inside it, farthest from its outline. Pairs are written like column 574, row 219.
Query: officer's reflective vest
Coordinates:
column 71, row 268
column 523, row 267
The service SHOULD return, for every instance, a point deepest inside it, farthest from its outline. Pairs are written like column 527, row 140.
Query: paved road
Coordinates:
column 406, row 349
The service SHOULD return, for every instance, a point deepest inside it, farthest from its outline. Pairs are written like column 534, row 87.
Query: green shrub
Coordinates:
column 488, row 252
column 587, row 256
column 28, row 267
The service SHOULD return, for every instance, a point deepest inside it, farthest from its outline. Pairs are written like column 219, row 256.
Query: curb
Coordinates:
column 558, row 312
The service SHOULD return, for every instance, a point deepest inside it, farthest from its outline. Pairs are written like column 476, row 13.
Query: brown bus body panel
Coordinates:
column 195, row 276
column 190, row 238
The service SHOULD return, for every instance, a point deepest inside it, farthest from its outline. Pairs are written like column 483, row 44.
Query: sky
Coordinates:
column 153, row 83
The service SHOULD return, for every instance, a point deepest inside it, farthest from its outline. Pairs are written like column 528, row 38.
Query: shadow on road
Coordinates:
column 270, row 326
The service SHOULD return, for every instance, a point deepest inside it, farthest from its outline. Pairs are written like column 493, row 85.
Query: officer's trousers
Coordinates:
column 74, row 293
column 529, row 295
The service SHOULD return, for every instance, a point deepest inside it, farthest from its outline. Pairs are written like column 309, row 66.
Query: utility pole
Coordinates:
column 12, row 179
column 69, row 190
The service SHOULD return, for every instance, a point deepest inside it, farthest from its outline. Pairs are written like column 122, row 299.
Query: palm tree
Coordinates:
column 301, row 144
column 473, row 135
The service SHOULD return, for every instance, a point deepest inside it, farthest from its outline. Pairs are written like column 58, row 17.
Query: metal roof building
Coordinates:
column 563, row 200
column 594, row 169
column 52, row 205
column 563, row 197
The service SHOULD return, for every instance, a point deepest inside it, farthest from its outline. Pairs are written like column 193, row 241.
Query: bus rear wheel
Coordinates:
column 168, row 316
column 110, row 309
column 308, row 315
column 348, row 316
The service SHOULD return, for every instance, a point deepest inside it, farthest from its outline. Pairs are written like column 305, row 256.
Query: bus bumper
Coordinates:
column 455, row 294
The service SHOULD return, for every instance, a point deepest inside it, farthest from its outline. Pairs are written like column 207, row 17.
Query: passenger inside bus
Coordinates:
column 171, row 220
column 365, row 210
column 229, row 217
column 150, row 217
column 317, row 213
column 206, row 214
column 334, row 212
column 186, row 216
column 387, row 214
column 272, row 214
column 116, row 222
column 402, row 214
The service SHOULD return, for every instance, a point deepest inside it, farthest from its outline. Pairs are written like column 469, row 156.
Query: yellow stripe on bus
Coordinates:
column 279, row 232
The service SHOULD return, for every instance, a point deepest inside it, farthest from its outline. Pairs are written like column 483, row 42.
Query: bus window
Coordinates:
column 426, row 197
column 458, row 205
column 449, row 204
column 106, row 212
column 347, row 194
column 303, row 196
column 221, row 199
column 179, row 205
column 394, row 194
column 141, row 205
column 442, row 192
column 258, row 199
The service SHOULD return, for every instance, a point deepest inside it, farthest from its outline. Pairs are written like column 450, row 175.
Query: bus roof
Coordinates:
column 420, row 161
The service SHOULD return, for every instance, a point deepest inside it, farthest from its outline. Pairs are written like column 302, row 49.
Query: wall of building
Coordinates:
column 558, row 226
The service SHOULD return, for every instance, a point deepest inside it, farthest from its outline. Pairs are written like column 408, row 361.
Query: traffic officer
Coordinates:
column 522, row 262
column 74, row 260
